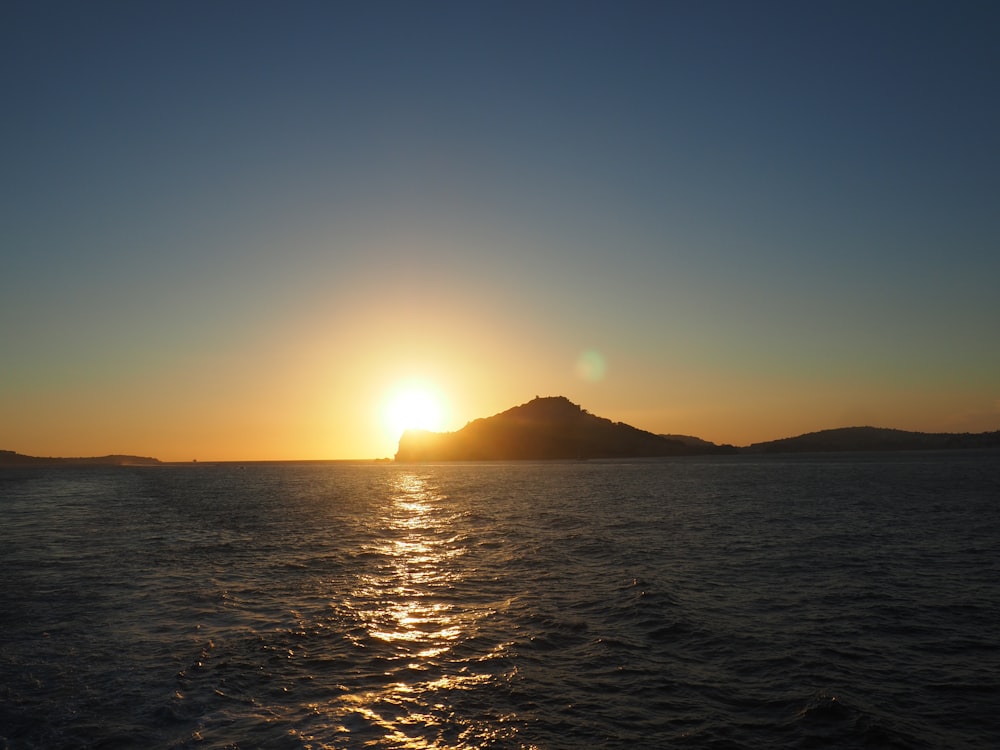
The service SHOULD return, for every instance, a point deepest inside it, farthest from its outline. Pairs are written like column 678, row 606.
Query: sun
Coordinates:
column 413, row 407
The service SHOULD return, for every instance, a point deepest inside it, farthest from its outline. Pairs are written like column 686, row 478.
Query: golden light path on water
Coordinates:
column 411, row 611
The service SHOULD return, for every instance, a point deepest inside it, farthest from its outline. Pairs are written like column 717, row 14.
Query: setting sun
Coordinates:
column 413, row 406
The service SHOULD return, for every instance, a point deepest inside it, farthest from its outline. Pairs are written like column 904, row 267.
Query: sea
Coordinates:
column 807, row 601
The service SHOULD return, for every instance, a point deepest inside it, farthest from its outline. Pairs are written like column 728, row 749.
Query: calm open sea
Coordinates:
column 726, row 602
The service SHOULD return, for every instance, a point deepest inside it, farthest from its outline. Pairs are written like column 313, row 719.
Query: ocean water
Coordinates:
column 848, row 601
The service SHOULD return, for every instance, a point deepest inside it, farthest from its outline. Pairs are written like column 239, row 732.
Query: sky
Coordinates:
column 233, row 230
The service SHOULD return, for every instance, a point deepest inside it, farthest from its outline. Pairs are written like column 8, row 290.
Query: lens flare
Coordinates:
column 591, row 366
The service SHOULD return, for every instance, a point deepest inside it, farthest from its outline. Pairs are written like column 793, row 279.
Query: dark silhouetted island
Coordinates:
column 10, row 458
column 555, row 428
column 545, row 428
column 875, row 439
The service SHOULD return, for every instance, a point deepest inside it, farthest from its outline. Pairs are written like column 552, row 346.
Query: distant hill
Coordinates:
column 875, row 439
column 545, row 428
column 10, row 458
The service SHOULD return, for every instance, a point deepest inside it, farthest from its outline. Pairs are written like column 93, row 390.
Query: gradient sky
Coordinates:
column 229, row 229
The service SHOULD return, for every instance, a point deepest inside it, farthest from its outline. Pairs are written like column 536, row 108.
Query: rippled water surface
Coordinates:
column 835, row 601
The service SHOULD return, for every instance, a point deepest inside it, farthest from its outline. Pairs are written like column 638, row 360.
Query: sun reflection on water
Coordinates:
column 418, row 547
column 413, row 615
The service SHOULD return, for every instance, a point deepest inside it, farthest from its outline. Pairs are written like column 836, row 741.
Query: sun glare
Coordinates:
column 413, row 407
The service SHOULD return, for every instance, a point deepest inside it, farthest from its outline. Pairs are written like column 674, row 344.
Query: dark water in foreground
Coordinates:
column 837, row 601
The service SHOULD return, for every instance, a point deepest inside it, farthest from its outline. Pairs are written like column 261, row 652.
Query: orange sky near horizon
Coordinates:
column 311, row 408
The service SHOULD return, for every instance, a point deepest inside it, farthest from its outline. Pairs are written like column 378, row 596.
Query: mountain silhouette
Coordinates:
column 875, row 439
column 554, row 427
column 550, row 427
column 10, row 458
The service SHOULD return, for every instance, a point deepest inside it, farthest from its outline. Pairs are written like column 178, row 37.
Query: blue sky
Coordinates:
column 228, row 228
